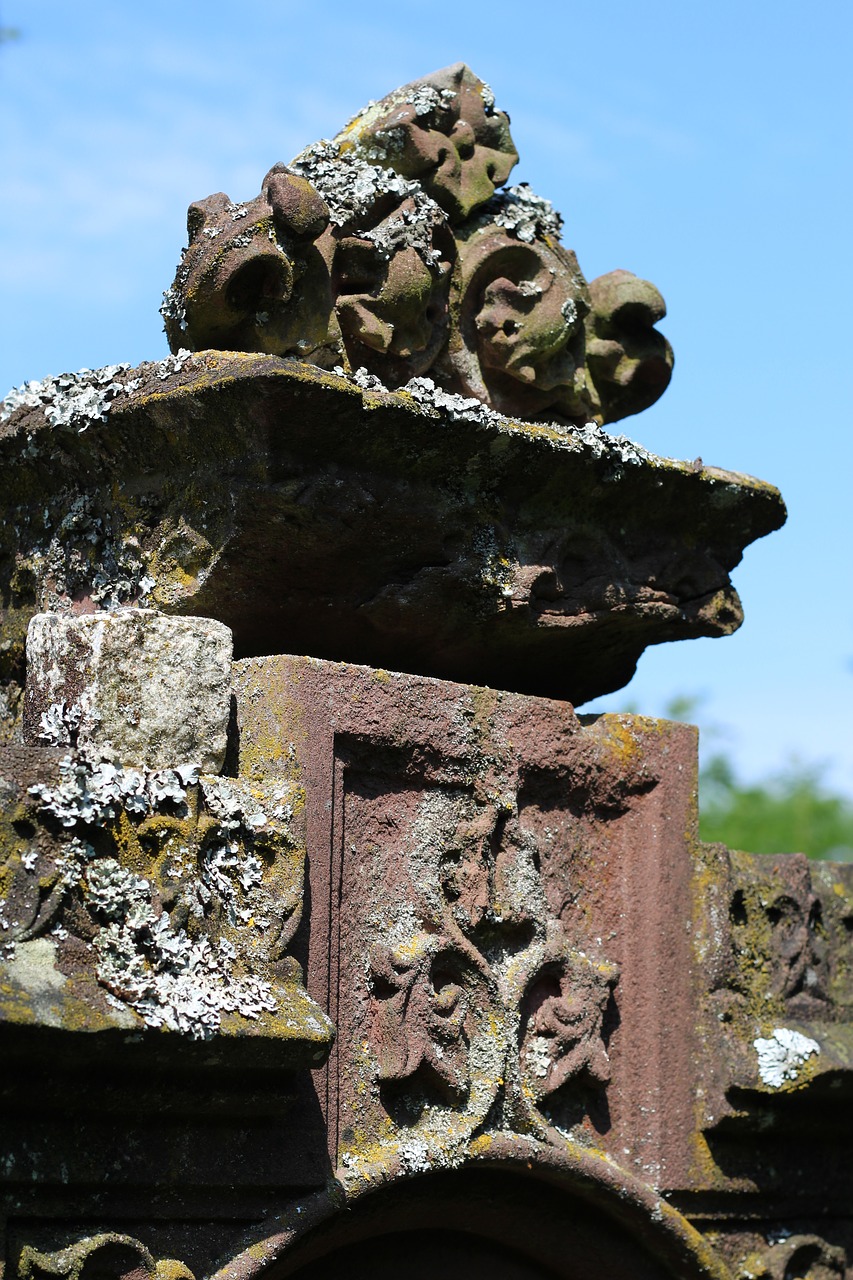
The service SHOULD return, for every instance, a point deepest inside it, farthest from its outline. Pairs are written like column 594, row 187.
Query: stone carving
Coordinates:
column 393, row 249
column 777, row 966
column 176, row 890
column 474, row 971
column 103, row 1257
column 487, row 952
column 187, row 887
column 794, row 1257
column 778, row 1052
column 581, row 1025
column 444, row 131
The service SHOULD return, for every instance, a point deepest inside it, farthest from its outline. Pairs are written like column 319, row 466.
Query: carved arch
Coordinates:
column 556, row 1214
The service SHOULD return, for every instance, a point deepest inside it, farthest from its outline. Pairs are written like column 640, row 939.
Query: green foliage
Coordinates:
column 791, row 811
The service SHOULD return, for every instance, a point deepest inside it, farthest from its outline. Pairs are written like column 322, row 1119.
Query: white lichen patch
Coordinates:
column 782, row 1056
column 362, row 378
column 59, row 725
column 524, row 214
column 173, row 364
column 93, row 791
column 618, row 450
column 349, row 185
column 184, row 981
column 539, row 1056
column 84, row 557
column 415, row 1156
column 72, row 401
column 425, row 99
column 169, row 979
column 601, row 444
column 412, row 226
column 172, row 307
column 466, row 408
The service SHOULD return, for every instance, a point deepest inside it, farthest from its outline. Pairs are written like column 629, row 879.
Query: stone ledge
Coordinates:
column 310, row 513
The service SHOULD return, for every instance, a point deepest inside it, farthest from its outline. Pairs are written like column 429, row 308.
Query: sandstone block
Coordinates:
column 144, row 689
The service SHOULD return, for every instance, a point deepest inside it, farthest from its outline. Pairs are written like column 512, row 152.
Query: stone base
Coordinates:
column 570, row 1039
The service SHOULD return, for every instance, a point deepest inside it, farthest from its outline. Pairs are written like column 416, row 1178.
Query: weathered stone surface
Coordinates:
column 553, row 1004
column 392, row 250
column 156, row 902
column 513, row 890
column 140, row 688
column 528, row 953
column 406, row 529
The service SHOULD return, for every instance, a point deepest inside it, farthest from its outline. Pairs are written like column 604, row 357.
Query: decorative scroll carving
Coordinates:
column 252, row 277
column 521, row 307
column 479, row 970
column 102, row 1257
column 778, row 938
column 392, row 249
column 444, row 131
column 795, row 1257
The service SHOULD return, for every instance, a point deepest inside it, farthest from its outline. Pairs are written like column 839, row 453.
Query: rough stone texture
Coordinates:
column 571, row 1039
column 501, row 871
column 140, row 688
column 392, row 250
column 410, row 529
column 163, row 899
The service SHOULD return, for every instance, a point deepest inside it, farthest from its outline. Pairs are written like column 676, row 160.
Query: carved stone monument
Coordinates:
column 383, row 958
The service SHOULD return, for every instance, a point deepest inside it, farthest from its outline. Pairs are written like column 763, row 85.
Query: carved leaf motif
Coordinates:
column 491, row 961
column 778, row 915
column 420, row 1016
column 563, row 1038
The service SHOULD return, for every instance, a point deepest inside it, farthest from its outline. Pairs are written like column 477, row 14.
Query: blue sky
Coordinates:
column 704, row 146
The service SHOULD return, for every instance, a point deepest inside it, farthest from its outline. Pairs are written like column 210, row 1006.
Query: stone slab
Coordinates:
column 490, row 849
column 313, row 514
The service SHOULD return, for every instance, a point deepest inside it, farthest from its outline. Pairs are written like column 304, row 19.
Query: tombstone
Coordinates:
column 382, row 958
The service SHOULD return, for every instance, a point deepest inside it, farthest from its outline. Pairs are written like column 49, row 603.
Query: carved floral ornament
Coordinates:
column 478, row 998
column 396, row 248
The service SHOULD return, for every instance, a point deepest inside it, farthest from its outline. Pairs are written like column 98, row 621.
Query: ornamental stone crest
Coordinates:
column 398, row 250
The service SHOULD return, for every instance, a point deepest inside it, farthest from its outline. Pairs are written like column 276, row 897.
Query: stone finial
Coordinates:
column 445, row 132
column 393, row 248
column 143, row 689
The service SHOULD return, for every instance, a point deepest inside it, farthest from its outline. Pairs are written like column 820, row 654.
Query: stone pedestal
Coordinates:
column 512, row 1014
